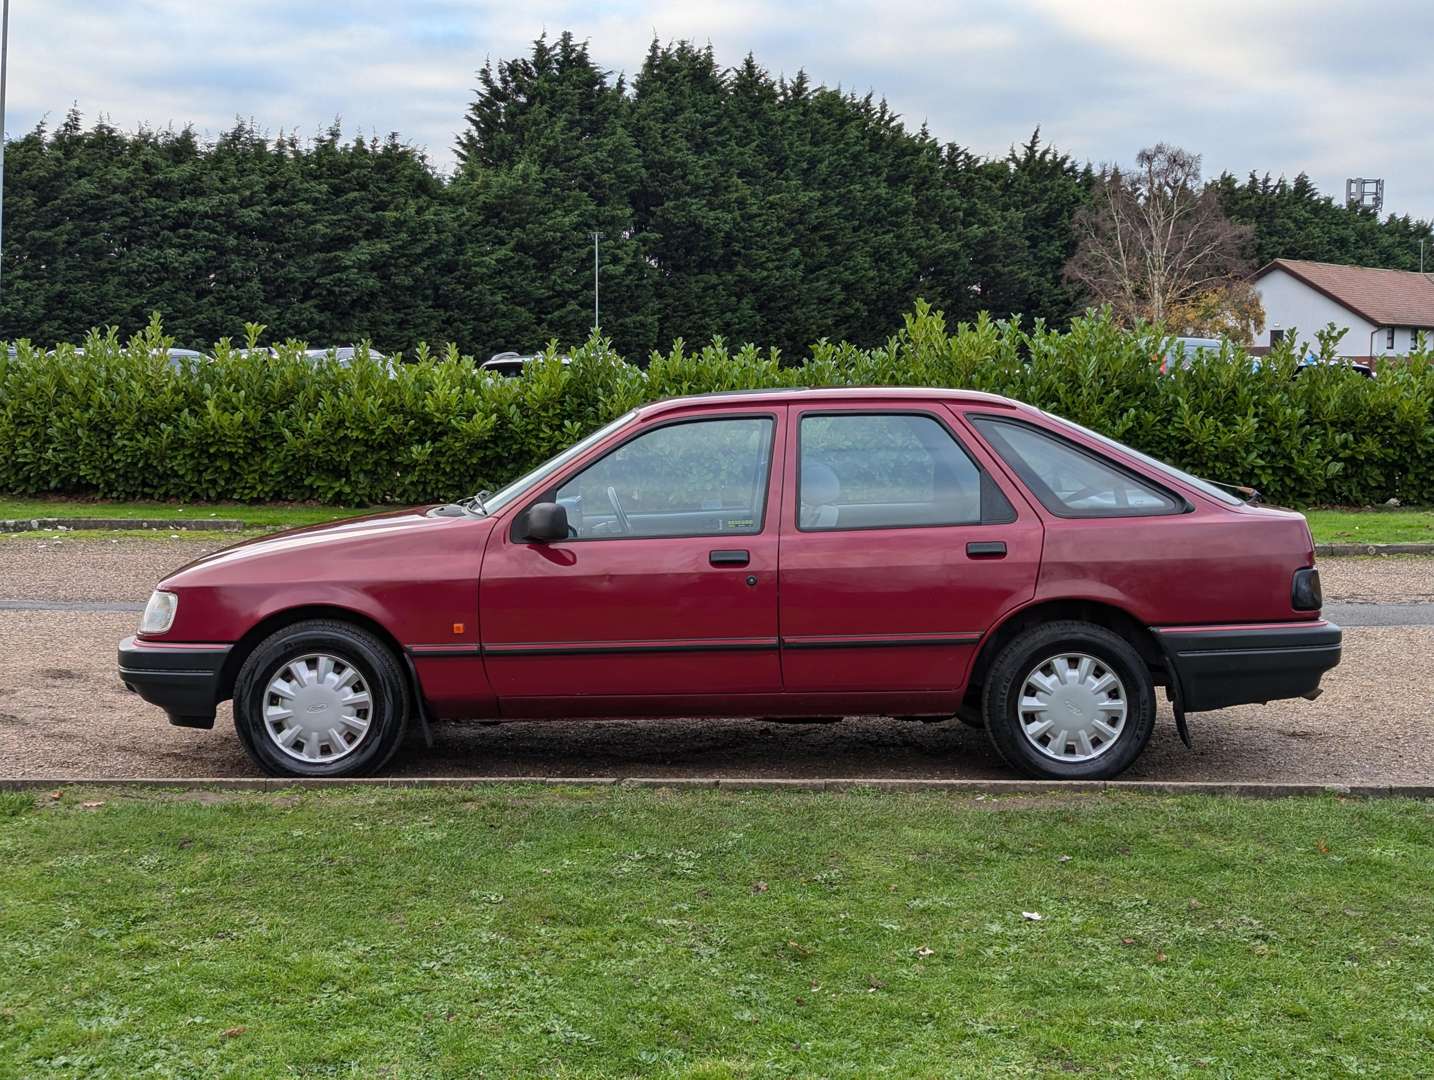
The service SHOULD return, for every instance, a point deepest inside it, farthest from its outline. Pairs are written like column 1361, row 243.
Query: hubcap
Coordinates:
column 317, row 708
column 1072, row 707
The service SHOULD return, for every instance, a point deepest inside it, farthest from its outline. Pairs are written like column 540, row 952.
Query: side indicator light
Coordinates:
column 458, row 628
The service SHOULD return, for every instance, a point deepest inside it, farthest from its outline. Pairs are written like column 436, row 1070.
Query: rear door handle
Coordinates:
column 986, row 549
column 730, row 557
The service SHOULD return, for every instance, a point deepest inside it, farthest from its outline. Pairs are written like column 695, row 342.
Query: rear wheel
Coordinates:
column 1069, row 701
column 321, row 698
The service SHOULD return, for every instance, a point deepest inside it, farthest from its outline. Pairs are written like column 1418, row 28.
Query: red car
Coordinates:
column 907, row 552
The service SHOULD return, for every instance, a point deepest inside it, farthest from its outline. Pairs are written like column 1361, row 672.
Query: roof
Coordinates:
column 1382, row 297
column 836, row 393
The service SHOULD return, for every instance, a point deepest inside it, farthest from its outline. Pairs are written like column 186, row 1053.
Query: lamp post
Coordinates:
column 596, row 236
column 4, row 63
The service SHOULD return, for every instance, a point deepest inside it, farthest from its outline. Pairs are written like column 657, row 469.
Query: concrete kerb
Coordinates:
column 1242, row 789
column 80, row 524
column 1374, row 549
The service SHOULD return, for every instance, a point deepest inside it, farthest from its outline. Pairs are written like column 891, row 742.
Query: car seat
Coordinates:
column 820, row 489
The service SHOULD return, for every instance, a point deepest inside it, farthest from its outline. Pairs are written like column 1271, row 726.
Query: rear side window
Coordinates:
column 889, row 470
column 1071, row 481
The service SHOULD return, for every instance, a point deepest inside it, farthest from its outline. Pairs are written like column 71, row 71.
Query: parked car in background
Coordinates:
column 1183, row 350
column 186, row 360
column 1308, row 362
column 345, row 355
column 510, row 365
column 1312, row 361
column 909, row 552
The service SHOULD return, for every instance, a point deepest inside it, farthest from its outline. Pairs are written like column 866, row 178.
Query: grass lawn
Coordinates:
column 600, row 932
column 271, row 515
column 1330, row 526
column 1377, row 526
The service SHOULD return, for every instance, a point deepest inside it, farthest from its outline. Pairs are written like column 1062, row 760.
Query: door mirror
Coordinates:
column 544, row 522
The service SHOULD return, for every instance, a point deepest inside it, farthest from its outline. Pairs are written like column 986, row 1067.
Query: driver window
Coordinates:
column 703, row 478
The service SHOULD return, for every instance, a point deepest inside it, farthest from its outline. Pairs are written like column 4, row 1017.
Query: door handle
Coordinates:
column 730, row 557
column 986, row 549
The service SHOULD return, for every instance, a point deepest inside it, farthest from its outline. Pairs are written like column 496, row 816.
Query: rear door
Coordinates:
column 900, row 548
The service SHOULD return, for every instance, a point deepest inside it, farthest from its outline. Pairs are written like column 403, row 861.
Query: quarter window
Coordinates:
column 701, row 478
column 1070, row 481
column 870, row 471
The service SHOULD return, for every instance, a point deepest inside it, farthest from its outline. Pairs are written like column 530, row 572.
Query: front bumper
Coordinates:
column 1240, row 665
column 183, row 680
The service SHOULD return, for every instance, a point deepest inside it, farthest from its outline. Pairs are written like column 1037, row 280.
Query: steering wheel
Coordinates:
column 618, row 510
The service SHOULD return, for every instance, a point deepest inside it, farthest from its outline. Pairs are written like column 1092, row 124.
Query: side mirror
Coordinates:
column 544, row 522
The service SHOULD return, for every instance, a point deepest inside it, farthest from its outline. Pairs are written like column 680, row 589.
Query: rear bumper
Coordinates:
column 1238, row 665
column 183, row 680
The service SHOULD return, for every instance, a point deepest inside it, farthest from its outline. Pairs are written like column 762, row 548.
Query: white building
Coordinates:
column 1382, row 311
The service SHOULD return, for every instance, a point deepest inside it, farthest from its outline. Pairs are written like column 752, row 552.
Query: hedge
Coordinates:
column 116, row 420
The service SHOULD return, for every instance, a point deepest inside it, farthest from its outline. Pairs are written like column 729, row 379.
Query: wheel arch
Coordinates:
column 277, row 620
column 1098, row 612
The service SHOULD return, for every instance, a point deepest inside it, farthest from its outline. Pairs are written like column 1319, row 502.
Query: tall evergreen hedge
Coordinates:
column 118, row 421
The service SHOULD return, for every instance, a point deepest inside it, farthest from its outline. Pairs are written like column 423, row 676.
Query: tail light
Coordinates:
column 1305, row 595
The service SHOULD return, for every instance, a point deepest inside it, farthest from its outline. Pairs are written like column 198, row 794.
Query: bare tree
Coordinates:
column 1154, row 242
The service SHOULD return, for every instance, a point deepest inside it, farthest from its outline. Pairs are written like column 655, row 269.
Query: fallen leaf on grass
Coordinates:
column 759, row 886
column 234, row 1032
column 924, row 952
column 56, row 794
column 1127, row 941
column 1031, row 916
column 1160, row 958
column 1063, row 858
column 1194, row 904
column 91, row 805
column 1321, row 846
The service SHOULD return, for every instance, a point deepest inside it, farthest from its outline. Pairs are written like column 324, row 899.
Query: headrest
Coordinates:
column 820, row 485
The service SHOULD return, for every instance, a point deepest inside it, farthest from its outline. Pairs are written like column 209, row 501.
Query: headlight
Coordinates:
column 158, row 613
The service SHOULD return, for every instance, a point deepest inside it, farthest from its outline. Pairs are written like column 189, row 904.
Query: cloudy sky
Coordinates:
column 1331, row 88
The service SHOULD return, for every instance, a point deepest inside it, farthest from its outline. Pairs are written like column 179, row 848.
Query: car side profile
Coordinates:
column 908, row 552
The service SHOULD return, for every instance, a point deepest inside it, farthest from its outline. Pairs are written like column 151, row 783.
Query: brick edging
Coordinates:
column 1374, row 549
column 1241, row 788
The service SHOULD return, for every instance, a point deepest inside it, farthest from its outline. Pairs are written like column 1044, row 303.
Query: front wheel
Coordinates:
column 1069, row 701
column 321, row 698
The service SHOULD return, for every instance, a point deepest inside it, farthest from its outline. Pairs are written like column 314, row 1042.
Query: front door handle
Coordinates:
column 986, row 549
column 730, row 557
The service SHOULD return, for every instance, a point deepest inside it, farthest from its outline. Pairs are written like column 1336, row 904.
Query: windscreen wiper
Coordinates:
column 476, row 502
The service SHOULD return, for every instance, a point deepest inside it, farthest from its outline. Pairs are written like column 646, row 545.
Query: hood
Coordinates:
column 311, row 541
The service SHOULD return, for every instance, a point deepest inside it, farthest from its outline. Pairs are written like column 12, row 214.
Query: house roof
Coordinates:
column 1382, row 297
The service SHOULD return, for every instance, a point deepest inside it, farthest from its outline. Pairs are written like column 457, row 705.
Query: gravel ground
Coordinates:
column 67, row 569
column 64, row 713
column 1384, row 579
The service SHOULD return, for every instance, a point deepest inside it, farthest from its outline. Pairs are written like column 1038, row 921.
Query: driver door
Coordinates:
column 667, row 586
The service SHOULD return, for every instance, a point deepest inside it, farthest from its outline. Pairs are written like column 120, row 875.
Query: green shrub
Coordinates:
column 116, row 420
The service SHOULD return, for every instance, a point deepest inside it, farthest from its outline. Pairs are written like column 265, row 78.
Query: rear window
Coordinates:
column 1203, row 486
column 1070, row 481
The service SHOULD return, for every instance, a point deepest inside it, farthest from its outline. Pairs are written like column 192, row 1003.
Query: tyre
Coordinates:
column 1069, row 701
column 321, row 698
